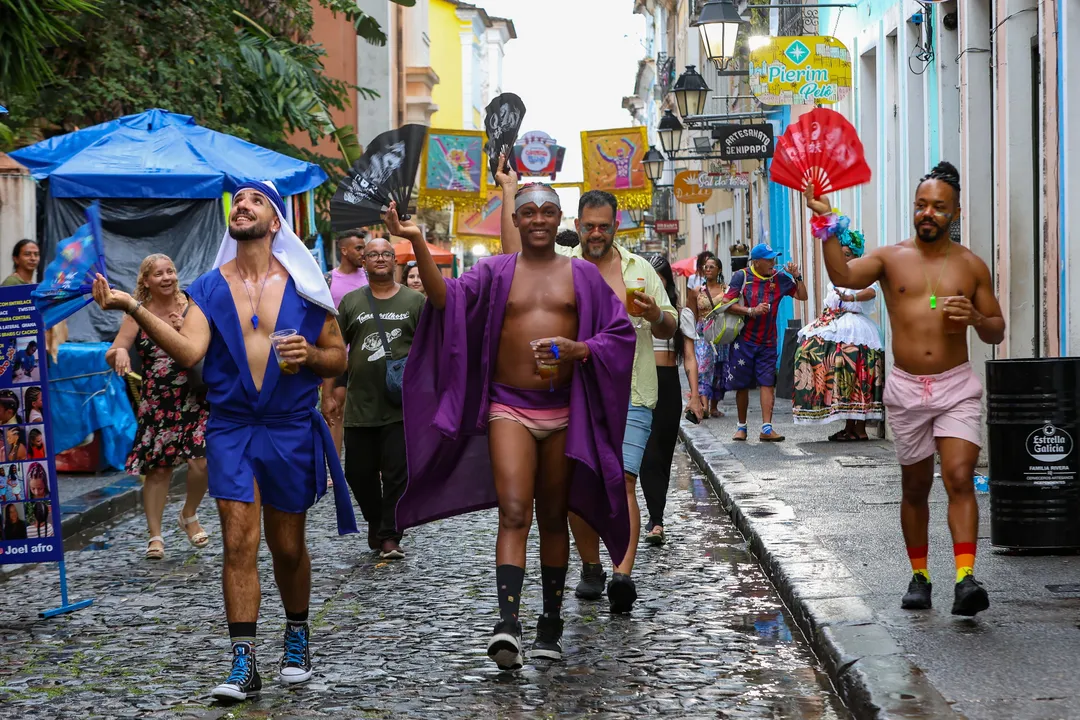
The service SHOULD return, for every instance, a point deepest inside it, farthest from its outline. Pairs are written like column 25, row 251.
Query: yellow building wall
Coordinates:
column 444, row 29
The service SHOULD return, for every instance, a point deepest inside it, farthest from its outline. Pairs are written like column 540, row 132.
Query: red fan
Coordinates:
column 821, row 147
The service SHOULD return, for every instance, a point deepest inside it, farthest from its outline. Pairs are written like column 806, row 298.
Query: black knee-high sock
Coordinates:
column 554, row 580
column 509, row 579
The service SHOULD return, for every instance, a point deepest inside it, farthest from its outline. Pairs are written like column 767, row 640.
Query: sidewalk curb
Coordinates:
column 98, row 506
column 868, row 668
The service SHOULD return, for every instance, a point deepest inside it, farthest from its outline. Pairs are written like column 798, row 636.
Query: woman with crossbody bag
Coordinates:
column 711, row 358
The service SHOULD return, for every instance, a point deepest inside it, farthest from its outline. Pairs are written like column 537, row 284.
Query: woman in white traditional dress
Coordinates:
column 839, row 364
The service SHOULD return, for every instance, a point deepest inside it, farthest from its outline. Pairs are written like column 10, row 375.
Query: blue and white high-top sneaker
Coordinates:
column 243, row 682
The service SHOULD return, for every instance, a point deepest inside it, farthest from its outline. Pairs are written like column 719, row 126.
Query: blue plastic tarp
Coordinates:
column 158, row 154
column 86, row 395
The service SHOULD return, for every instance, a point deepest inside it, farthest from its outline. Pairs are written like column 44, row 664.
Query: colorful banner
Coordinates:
column 801, row 71
column 628, row 229
column 483, row 222
column 453, row 168
column 29, row 498
column 612, row 161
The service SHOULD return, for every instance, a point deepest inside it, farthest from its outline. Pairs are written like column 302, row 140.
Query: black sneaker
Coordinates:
column 621, row 593
column 548, row 643
column 971, row 597
column 591, row 586
column 505, row 645
column 917, row 596
column 296, row 659
column 243, row 681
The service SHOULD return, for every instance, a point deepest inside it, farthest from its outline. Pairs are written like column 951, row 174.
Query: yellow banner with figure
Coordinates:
column 801, row 71
column 612, row 161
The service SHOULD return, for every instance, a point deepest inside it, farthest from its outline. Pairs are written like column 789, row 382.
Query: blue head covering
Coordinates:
column 287, row 248
column 269, row 191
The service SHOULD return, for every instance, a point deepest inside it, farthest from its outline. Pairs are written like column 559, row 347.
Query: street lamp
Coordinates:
column 670, row 131
column 691, row 91
column 654, row 164
column 636, row 216
column 718, row 24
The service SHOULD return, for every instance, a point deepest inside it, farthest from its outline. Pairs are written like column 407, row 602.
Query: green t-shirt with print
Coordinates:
column 366, row 404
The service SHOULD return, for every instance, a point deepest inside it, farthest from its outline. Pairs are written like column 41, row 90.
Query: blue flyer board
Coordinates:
column 29, row 507
column 30, row 530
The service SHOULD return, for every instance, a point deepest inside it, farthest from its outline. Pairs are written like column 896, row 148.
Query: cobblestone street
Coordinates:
column 407, row 639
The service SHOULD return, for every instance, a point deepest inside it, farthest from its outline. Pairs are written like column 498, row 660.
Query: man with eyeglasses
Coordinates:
column 653, row 316
column 375, row 465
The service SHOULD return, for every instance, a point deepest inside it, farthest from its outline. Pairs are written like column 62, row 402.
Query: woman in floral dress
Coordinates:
column 172, row 415
column 712, row 360
column 839, row 361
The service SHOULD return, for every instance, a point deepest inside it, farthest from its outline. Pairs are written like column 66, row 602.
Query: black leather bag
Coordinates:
column 395, row 369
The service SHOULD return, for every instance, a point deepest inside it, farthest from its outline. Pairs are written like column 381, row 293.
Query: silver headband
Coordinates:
column 540, row 195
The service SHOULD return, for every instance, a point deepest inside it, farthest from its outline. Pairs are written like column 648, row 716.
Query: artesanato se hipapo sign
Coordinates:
column 800, row 71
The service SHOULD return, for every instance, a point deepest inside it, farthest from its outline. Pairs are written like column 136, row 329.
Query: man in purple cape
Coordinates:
column 554, row 412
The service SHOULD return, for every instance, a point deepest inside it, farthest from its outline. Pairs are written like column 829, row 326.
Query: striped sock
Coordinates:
column 766, row 429
column 917, row 556
column 965, row 559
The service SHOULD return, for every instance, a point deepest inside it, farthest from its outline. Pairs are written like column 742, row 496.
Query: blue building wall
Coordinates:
column 780, row 230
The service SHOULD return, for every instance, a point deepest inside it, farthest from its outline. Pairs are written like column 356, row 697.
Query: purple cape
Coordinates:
column 447, row 381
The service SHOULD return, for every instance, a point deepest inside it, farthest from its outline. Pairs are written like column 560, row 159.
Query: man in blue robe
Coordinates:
column 266, row 443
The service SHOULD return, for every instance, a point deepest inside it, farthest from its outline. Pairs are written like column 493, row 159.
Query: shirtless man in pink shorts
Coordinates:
column 934, row 290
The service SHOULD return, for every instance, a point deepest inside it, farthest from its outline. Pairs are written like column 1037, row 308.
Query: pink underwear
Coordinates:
column 542, row 423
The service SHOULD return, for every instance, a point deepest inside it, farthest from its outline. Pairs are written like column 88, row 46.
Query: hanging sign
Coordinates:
column 666, row 227
column 688, row 190
column 724, row 181
column 29, row 497
column 536, row 152
column 801, row 71
column 744, row 142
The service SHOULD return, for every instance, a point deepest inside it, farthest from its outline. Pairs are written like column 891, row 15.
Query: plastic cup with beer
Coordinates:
column 952, row 327
column 635, row 311
column 634, row 286
column 546, row 372
column 275, row 338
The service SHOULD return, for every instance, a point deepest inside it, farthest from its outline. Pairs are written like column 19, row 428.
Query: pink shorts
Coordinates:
column 921, row 408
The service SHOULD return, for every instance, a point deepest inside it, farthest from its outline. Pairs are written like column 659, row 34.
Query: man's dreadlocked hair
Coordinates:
column 947, row 173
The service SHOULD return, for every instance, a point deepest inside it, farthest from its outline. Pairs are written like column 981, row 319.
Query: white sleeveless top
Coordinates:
column 687, row 324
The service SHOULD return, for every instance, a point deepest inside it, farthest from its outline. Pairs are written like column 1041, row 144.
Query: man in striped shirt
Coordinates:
column 760, row 288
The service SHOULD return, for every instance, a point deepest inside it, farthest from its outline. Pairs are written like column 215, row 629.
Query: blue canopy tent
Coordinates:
column 161, row 179
column 158, row 154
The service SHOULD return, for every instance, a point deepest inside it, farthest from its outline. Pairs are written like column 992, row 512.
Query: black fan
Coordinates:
column 502, row 121
column 385, row 173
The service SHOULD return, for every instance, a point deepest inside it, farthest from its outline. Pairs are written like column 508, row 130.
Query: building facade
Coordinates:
column 982, row 84
column 400, row 72
column 467, row 50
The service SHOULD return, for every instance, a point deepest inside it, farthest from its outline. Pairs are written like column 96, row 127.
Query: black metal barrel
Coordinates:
column 1033, row 409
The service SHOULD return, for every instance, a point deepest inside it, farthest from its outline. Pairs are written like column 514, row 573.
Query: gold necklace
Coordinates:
column 941, row 274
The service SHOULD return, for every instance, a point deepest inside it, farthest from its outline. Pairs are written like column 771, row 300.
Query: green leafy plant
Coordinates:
column 28, row 29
